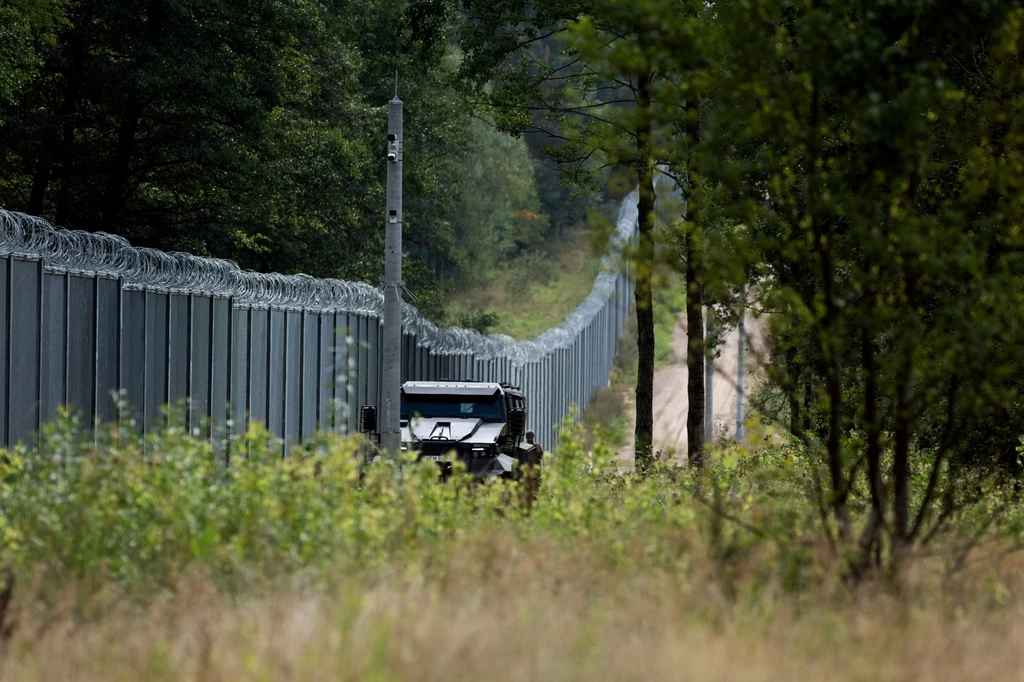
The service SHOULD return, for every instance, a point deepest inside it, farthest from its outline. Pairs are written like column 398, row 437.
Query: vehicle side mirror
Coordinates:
column 517, row 421
column 368, row 418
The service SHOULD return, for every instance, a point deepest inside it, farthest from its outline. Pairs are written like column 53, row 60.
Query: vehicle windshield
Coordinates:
column 454, row 407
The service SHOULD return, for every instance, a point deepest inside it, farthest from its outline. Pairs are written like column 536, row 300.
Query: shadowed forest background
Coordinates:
column 252, row 131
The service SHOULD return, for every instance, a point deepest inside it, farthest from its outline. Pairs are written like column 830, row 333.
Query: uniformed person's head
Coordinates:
column 530, row 435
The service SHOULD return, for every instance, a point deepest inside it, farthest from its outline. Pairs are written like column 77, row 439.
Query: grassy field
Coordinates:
column 507, row 609
column 535, row 292
column 173, row 567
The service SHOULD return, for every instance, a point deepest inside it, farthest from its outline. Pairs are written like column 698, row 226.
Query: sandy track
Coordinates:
column 670, row 399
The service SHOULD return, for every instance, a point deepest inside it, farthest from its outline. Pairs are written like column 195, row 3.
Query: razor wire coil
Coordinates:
column 102, row 254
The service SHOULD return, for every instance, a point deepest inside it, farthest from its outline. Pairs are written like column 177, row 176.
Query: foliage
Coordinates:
column 140, row 513
column 27, row 29
column 605, row 418
column 593, row 99
column 534, row 291
column 502, row 216
column 247, row 130
column 858, row 163
column 871, row 153
column 480, row 320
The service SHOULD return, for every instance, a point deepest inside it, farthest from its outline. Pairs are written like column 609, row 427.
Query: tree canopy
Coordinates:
column 248, row 130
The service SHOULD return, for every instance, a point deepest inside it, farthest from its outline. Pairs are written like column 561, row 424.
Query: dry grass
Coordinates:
column 314, row 569
column 508, row 610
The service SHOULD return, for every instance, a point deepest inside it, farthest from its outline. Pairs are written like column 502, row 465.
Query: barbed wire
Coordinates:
column 107, row 255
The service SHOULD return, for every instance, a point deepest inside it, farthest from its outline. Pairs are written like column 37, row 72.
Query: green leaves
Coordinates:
column 249, row 130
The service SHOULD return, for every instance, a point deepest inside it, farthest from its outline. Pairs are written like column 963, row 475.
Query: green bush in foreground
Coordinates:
column 138, row 513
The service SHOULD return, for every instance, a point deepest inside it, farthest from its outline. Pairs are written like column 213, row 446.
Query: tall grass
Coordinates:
column 158, row 560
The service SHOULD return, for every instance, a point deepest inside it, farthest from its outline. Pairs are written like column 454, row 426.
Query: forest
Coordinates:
column 851, row 173
column 250, row 131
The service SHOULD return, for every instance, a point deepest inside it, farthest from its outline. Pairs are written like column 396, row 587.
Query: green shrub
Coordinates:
column 140, row 513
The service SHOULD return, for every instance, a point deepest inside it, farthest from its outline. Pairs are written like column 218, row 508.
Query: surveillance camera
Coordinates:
column 392, row 156
column 391, row 137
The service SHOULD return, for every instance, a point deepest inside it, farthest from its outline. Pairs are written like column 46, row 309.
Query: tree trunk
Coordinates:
column 695, row 351
column 870, row 539
column 904, row 426
column 66, row 117
column 792, row 394
column 694, row 356
column 115, row 197
column 829, row 334
column 644, row 433
column 41, row 176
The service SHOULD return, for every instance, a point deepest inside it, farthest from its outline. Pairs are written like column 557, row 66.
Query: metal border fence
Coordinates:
column 88, row 317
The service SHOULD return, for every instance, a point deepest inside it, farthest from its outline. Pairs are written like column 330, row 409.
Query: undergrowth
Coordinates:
column 138, row 512
column 164, row 558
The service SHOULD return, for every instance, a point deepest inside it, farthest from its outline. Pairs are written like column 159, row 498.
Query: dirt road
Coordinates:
column 670, row 399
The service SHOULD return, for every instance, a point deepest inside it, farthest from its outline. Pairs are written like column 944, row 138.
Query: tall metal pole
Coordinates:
column 740, row 329
column 391, row 376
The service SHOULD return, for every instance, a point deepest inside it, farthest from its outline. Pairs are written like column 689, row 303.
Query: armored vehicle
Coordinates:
column 480, row 423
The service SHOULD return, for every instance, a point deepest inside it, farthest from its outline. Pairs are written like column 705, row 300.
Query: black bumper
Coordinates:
column 477, row 464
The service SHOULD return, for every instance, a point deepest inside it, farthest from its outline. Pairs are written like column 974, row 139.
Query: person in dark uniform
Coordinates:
column 531, row 438
column 532, row 469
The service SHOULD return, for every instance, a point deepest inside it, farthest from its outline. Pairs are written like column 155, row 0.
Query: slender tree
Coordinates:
column 610, row 100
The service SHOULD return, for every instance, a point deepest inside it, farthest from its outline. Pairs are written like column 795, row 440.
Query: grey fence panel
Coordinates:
column 157, row 311
column 23, row 353
column 308, row 398
column 408, row 348
column 53, row 345
column 6, row 298
column 220, row 366
column 422, row 363
column 344, row 397
column 240, row 358
column 276, row 372
column 81, row 375
column 551, row 397
column 179, row 348
column 292, row 377
column 325, row 371
column 545, row 402
column 199, row 377
column 133, row 351
column 360, row 339
column 259, row 365
column 373, row 357
column 108, row 346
